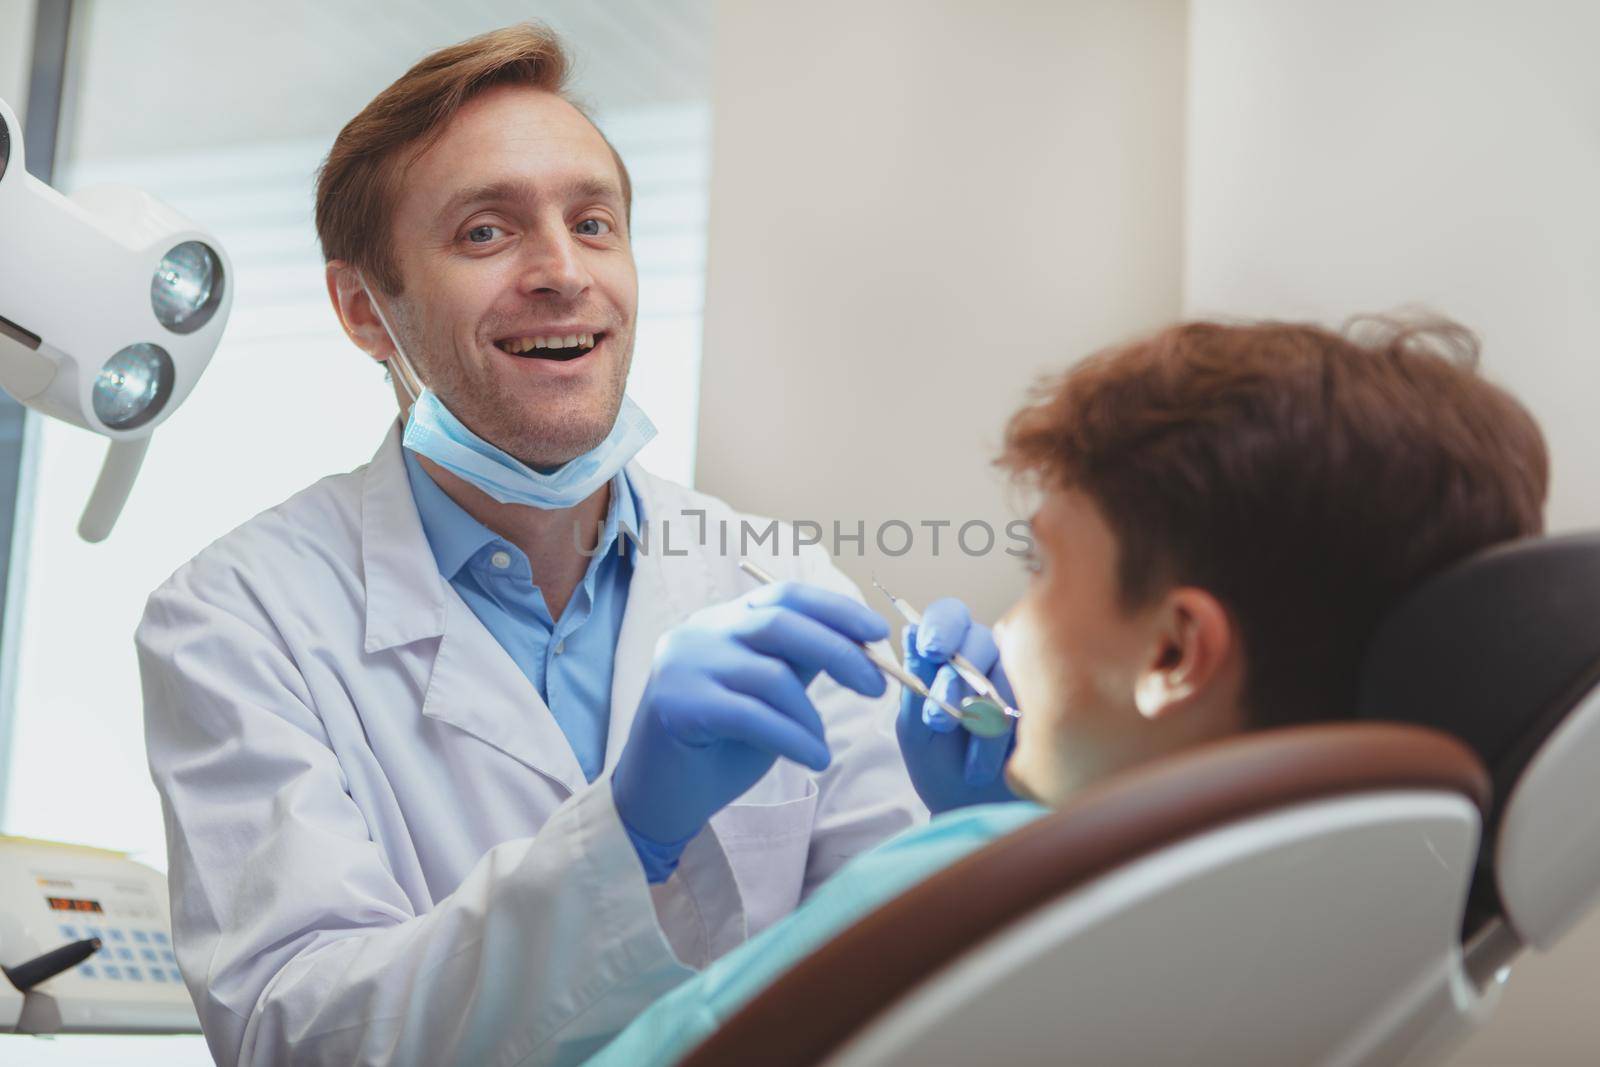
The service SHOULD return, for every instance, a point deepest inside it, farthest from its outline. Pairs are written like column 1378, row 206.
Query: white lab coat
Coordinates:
column 381, row 847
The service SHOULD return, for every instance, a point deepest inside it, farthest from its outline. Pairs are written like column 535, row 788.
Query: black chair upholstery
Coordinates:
column 1496, row 651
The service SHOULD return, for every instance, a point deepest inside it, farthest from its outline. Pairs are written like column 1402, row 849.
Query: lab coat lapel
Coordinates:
column 663, row 592
column 472, row 682
column 703, row 902
column 405, row 594
column 476, row 686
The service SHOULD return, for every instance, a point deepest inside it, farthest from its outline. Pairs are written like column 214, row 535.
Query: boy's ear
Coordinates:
column 1193, row 640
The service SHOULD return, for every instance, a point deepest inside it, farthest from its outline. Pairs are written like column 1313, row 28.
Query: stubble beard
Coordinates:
column 544, row 434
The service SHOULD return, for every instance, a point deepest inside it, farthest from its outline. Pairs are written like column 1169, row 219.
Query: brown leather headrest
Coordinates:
column 810, row 1011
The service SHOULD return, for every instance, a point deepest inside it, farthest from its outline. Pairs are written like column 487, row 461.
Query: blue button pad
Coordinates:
column 126, row 954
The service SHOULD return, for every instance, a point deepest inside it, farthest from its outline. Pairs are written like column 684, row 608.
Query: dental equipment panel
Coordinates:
column 123, row 976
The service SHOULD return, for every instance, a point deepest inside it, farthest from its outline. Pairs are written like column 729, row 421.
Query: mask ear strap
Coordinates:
column 405, row 373
column 406, row 376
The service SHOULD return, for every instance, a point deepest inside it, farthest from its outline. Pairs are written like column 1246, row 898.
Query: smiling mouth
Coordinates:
column 560, row 349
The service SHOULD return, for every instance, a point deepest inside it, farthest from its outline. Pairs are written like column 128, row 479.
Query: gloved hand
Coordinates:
column 949, row 767
column 726, row 697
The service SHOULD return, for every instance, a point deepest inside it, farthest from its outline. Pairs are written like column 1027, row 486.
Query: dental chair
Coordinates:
column 1349, row 893
column 1504, row 653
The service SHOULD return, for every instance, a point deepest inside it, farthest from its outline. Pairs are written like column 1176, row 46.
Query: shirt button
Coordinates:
column 561, row 646
column 501, row 560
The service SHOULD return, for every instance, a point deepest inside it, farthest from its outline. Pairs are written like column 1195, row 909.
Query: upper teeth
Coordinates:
column 527, row 344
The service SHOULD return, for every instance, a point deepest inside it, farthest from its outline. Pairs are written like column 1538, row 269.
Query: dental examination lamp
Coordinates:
column 111, row 304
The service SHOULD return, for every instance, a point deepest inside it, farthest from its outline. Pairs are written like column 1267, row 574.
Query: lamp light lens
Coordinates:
column 187, row 287
column 133, row 386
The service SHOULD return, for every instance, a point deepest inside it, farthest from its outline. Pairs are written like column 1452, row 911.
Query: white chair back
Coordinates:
column 1283, row 939
column 1286, row 896
column 1547, row 854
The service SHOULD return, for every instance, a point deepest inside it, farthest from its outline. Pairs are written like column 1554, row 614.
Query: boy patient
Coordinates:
column 1225, row 513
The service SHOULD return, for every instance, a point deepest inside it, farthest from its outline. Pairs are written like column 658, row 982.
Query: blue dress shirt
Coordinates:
column 569, row 660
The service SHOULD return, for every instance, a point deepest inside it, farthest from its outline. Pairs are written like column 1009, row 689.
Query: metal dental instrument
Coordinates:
column 969, row 672
column 884, row 663
column 979, row 716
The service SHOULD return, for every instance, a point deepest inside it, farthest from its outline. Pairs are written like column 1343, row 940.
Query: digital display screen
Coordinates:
column 74, row 904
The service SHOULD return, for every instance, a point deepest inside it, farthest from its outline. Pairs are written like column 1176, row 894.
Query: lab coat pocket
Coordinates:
column 767, row 845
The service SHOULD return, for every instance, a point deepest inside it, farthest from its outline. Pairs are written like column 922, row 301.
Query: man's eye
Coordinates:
column 594, row 227
column 485, row 230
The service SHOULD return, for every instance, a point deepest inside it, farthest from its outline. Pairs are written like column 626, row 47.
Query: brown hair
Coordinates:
column 1306, row 479
column 357, row 183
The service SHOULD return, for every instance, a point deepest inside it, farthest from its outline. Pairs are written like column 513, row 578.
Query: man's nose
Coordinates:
column 552, row 262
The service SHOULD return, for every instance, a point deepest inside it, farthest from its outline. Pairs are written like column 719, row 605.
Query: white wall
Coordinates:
column 916, row 207
column 1353, row 156
column 16, row 46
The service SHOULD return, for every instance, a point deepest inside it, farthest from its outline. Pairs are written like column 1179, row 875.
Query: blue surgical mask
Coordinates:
column 433, row 431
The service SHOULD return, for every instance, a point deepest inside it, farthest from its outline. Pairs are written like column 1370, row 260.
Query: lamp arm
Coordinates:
column 111, row 488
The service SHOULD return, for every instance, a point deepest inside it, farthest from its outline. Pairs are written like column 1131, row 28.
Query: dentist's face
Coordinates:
column 509, row 232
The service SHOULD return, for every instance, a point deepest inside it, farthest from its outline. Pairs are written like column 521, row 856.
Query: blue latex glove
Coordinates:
column 726, row 697
column 949, row 767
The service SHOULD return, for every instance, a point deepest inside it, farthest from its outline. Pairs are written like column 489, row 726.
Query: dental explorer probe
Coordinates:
column 980, row 716
column 969, row 672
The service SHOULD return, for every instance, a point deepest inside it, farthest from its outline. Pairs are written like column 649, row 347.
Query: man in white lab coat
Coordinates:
column 463, row 756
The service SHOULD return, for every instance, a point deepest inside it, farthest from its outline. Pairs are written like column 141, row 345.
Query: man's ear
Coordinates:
column 1194, row 641
column 354, row 308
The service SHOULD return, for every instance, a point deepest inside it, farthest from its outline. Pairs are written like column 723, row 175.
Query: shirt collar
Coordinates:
column 624, row 510
column 455, row 536
column 621, row 514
